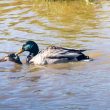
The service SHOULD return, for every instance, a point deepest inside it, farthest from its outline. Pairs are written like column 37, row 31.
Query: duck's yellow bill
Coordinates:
column 20, row 51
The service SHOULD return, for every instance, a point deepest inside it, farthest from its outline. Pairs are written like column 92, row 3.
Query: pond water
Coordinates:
column 71, row 86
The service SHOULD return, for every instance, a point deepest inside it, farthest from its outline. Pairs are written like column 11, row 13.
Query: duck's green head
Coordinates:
column 29, row 46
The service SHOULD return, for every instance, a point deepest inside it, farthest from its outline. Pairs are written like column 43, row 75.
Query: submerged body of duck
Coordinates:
column 51, row 55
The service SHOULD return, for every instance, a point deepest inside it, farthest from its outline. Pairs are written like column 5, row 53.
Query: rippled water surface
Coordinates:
column 71, row 86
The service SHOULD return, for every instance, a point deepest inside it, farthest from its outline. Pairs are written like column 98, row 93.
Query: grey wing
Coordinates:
column 59, row 52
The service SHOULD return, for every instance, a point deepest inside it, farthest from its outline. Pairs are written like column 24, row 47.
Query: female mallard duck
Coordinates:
column 11, row 57
column 51, row 55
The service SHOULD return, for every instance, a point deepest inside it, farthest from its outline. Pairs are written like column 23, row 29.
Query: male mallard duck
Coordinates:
column 51, row 55
column 11, row 57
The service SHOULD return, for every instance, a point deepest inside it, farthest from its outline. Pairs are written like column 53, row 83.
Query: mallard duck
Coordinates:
column 11, row 57
column 51, row 55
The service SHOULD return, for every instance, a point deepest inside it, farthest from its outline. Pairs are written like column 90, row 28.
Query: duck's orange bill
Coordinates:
column 20, row 51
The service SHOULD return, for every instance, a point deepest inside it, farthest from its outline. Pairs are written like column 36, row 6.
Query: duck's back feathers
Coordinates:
column 55, row 54
column 66, row 49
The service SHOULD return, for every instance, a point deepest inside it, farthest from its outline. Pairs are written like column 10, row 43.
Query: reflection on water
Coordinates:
column 73, row 24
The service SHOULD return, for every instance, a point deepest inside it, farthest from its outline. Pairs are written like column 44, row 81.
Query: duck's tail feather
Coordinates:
column 82, row 50
column 84, row 58
column 87, row 60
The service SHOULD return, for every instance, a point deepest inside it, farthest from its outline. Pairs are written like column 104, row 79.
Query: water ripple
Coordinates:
column 79, row 85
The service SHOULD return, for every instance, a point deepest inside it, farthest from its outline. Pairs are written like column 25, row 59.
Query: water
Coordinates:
column 71, row 86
